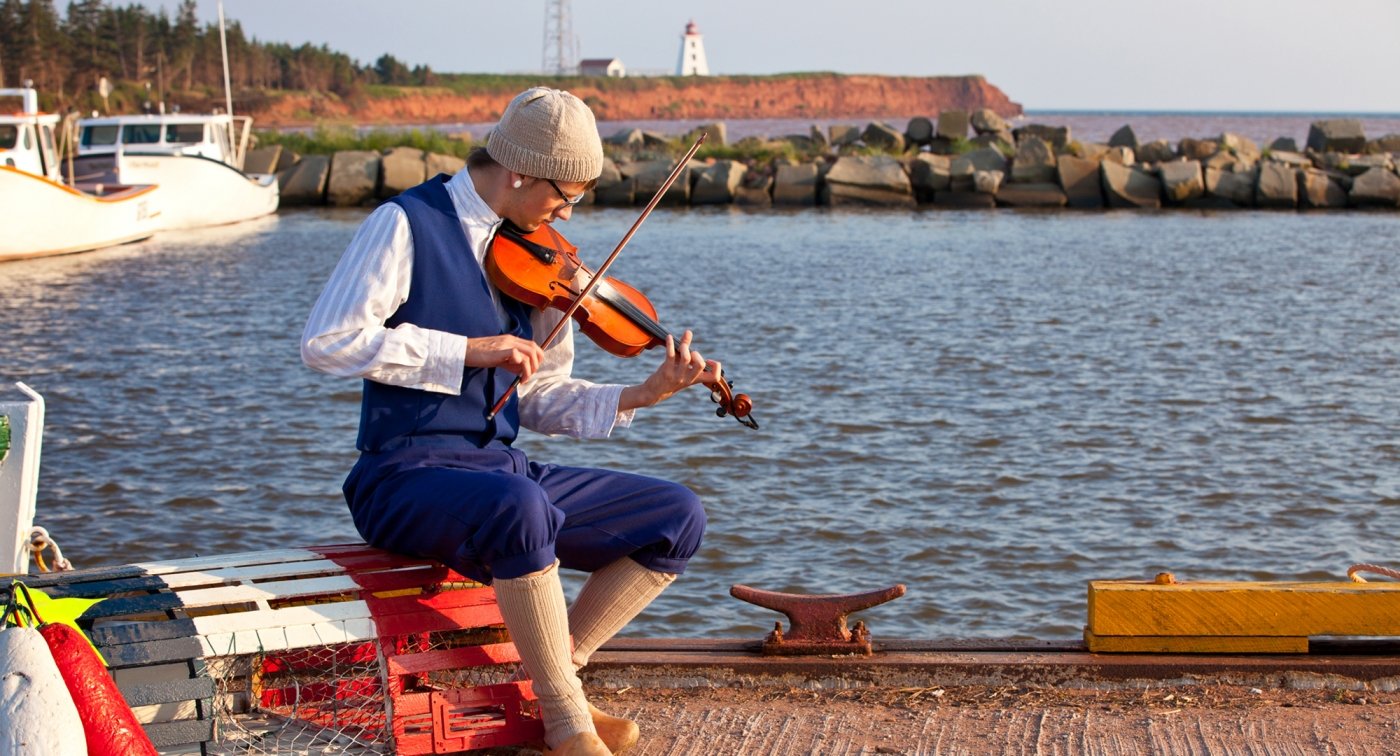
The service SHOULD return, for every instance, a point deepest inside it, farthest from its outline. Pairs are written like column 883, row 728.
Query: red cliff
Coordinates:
column 816, row 96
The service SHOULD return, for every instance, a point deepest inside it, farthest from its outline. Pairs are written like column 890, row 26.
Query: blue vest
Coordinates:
column 449, row 292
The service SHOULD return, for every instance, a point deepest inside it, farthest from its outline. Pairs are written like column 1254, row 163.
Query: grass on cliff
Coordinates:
column 325, row 140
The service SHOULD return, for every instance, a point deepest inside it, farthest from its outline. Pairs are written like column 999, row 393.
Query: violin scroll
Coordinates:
column 730, row 403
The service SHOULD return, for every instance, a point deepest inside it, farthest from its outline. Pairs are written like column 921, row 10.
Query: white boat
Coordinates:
column 40, row 213
column 195, row 160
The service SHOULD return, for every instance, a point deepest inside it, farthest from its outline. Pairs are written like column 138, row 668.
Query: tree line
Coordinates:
column 138, row 50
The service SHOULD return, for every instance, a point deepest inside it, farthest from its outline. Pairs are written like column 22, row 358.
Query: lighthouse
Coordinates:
column 692, row 62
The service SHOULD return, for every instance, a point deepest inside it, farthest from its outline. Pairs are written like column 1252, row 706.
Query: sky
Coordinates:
column 1312, row 56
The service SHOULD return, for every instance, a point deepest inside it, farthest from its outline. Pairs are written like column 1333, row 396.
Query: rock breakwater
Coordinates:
column 959, row 159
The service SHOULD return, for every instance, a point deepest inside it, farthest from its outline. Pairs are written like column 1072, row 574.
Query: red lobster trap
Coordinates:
column 344, row 649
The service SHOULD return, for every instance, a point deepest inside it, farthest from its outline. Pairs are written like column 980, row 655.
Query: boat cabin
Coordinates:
column 217, row 137
column 27, row 140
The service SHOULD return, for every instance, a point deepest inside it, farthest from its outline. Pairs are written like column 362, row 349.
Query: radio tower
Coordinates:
column 560, row 44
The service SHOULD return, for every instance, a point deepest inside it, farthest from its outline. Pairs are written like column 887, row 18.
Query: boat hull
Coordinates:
column 193, row 191
column 44, row 218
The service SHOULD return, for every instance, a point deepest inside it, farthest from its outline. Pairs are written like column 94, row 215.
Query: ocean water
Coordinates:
column 992, row 408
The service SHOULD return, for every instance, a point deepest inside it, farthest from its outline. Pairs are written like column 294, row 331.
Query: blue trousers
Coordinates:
column 492, row 513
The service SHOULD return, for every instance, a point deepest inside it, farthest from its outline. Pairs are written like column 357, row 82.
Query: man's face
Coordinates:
column 544, row 201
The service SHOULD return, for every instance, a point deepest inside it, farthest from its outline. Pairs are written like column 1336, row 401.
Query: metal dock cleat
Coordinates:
column 816, row 623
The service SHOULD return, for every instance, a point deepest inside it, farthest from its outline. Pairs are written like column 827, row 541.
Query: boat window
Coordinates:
column 141, row 133
column 9, row 136
column 98, row 136
column 47, row 134
column 28, row 140
column 184, row 132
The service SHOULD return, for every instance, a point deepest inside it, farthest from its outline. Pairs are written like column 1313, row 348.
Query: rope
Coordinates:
column 39, row 540
column 1379, row 570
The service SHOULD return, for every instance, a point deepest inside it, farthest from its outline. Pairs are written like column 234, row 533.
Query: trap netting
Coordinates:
column 428, row 692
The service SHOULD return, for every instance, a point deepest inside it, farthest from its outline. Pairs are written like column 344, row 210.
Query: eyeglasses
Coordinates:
column 568, row 201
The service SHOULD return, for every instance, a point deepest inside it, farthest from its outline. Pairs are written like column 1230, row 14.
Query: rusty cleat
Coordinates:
column 816, row 623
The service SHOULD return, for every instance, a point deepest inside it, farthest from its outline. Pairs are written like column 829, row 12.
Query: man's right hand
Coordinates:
column 519, row 356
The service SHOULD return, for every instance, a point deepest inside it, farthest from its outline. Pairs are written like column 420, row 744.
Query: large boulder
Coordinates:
column 1197, row 149
column 715, row 185
column 986, row 121
column 1128, row 186
column 1235, row 186
column 868, row 180
column 1242, row 147
column 919, row 131
column 716, row 134
column 1317, row 189
column 930, row 173
column 1277, row 186
column 1057, row 136
column 1376, row 188
column 1336, row 135
column 1079, row 177
column 354, row 177
column 1290, row 159
column 1388, row 143
column 795, row 184
column 1034, row 162
column 952, row 124
column 1120, row 155
column 1182, row 181
column 649, row 175
column 626, row 138
column 1124, row 137
column 883, row 136
column 1158, row 151
column 305, row 182
column 448, row 164
column 612, row 189
column 262, row 159
column 987, row 182
column 1031, row 195
column 402, row 168
column 1284, row 144
column 985, row 159
column 755, row 193
column 842, row 135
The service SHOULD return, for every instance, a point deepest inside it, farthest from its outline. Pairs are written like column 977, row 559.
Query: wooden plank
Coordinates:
column 254, row 572
column 155, row 652
column 278, row 639
column 283, row 589
column 115, row 633
column 1239, row 609
column 154, row 603
column 241, row 559
column 433, row 601
column 104, row 588
column 1183, row 644
column 178, row 733
column 439, row 620
column 167, row 692
column 292, row 615
column 454, row 658
column 171, row 711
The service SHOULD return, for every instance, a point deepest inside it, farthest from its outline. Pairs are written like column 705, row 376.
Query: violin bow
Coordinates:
column 603, row 269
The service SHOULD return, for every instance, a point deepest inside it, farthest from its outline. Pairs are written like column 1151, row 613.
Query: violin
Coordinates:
column 542, row 269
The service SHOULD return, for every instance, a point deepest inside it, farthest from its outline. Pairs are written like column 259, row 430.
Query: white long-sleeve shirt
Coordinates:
column 345, row 334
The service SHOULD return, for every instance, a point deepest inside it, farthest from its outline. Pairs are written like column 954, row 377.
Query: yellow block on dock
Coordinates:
column 1207, row 617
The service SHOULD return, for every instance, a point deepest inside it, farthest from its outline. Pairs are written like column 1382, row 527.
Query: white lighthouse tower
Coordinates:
column 692, row 62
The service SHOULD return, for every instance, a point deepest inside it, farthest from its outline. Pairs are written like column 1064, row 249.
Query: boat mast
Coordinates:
column 233, row 147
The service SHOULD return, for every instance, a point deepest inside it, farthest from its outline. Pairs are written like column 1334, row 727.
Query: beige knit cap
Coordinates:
column 550, row 134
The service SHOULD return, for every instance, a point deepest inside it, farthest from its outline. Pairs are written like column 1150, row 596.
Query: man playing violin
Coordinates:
column 410, row 310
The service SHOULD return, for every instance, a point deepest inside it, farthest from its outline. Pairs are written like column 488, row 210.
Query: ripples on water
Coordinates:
column 991, row 407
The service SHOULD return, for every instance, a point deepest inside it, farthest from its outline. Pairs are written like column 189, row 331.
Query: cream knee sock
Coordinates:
column 533, row 608
column 609, row 599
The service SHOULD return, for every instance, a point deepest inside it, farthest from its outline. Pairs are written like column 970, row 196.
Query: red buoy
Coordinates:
column 109, row 725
